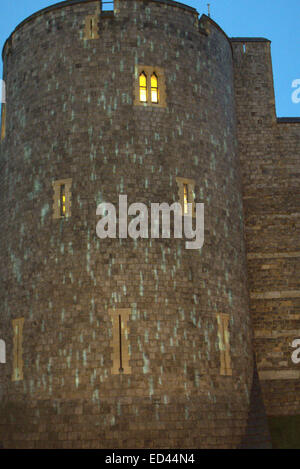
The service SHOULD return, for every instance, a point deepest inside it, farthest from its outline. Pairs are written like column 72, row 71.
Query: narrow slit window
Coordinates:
column 2, row 351
column 186, row 195
column 3, row 121
column 154, row 88
column 143, row 87
column 18, row 349
column 63, row 200
column 121, row 369
column 92, row 28
column 185, row 199
column 120, row 341
column 224, row 344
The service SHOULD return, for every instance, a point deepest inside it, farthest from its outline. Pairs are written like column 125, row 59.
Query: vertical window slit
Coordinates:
column 17, row 374
column 17, row 352
column 185, row 198
column 63, row 200
column 91, row 27
column 186, row 195
column 2, row 351
column 224, row 345
column 120, row 341
column 3, row 121
column 121, row 369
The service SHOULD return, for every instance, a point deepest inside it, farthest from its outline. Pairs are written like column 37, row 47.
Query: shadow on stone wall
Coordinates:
column 257, row 435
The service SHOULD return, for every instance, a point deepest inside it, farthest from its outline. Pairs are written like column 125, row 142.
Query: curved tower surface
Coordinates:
column 121, row 342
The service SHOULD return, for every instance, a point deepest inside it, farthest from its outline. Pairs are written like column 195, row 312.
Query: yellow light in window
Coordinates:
column 143, row 79
column 143, row 88
column 62, row 200
column 185, row 198
column 154, row 96
column 143, row 96
column 154, row 88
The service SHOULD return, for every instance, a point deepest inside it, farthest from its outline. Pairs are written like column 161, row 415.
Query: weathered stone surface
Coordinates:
column 269, row 150
column 71, row 116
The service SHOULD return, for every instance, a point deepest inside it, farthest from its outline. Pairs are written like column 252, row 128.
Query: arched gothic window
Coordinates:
column 154, row 88
column 149, row 86
column 143, row 87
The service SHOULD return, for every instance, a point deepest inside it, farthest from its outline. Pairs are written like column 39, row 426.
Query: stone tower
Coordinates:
column 122, row 343
column 269, row 152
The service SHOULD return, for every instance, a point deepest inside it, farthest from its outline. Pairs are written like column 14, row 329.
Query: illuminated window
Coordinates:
column 154, row 88
column 143, row 87
column 185, row 198
column 149, row 86
column 186, row 195
column 120, row 341
column 3, row 121
column 18, row 349
column 62, row 198
column 224, row 345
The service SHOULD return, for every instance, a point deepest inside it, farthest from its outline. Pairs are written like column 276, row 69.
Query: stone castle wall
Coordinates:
column 71, row 116
column 269, row 150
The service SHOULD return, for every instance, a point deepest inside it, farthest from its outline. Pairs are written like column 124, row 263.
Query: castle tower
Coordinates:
column 269, row 151
column 121, row 343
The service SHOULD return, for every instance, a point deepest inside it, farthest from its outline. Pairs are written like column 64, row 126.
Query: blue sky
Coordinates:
column 277, row 20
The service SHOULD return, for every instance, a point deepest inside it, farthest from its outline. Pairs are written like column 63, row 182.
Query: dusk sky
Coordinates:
column 277, row 20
